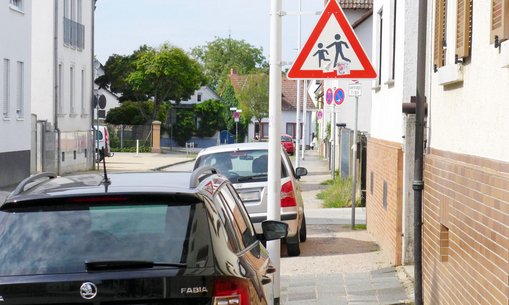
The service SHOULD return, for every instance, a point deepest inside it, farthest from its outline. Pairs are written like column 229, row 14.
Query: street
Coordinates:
column 336, row 265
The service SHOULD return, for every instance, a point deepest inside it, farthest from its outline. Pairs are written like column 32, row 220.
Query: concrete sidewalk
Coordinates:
column 338, row 265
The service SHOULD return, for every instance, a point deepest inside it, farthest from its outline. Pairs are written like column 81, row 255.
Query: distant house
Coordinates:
column 15, row 94
column 203, row 94
column 62, row 85
column 288, row 110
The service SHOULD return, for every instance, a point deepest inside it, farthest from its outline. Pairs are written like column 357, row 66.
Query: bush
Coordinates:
column 142, row 149
column 338, row 194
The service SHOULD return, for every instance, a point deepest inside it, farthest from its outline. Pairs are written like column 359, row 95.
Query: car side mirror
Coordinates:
column 273, row 230
column 301, row 171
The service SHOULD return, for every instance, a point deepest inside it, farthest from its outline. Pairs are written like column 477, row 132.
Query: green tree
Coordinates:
column 135, row 113
column 161, row 75
column 183, row 129
column 254, row 97
column 223, row 54
column 211, row 115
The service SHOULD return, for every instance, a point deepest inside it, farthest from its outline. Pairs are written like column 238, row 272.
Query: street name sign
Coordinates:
column 332, row 50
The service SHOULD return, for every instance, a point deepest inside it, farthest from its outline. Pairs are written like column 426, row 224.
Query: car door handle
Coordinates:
column 271, row 269
column 266, row 280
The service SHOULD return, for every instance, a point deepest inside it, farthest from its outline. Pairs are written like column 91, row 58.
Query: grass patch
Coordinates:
column 358, row 227
column 338, row 194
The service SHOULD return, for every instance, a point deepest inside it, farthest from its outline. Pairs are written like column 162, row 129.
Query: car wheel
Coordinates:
column 303, row 230
column 293, row 249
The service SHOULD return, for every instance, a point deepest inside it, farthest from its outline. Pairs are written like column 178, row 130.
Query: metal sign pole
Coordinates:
column 354, row 174
column 274, row 168
column 355, row 89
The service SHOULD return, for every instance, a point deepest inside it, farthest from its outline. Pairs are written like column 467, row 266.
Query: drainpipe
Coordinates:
column 92, row 96
column 418, row 183
column 55, row 82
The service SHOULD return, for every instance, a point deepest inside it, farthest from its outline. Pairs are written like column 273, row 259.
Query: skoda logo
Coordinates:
column 88, row 290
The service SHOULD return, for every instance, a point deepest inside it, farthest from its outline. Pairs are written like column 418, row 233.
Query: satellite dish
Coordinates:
column 102, row 101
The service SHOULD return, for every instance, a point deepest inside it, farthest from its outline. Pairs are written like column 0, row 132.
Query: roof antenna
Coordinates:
column 106, row 181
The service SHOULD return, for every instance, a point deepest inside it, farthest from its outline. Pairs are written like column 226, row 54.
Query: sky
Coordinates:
column 122, row 26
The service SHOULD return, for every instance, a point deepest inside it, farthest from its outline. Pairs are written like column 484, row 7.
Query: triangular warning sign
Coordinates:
column 332, row 50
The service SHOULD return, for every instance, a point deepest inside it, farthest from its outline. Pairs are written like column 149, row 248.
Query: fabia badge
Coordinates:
column 88, row 290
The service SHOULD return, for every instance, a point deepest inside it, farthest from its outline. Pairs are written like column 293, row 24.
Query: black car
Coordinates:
column 132, row 238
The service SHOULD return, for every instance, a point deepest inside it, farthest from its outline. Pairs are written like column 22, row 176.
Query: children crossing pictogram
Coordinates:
column 332, row 50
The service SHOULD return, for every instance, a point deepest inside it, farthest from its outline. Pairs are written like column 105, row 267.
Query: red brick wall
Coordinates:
column 385, row 164
column 466, row 202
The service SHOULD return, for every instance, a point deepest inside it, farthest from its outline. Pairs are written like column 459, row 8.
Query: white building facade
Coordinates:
column 15, row 96
column 391, row 142
column 62, row 56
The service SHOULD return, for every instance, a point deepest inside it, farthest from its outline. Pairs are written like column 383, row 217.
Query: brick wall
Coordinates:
column 465, row 230
column 384, row 195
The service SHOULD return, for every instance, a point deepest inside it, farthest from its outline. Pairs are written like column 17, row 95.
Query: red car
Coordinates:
column 287, row 142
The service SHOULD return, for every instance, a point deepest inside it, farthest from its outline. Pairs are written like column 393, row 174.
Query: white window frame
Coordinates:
column 6, row 88
column 20, row 109
column 377, row 82
column 60, row 88
column 82, row 96
column 391, row 69
column 72, row 90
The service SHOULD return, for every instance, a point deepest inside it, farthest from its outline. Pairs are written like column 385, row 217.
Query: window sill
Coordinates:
column 73, row 115
column 376, row 88
column 6, row 119
column 84, row 115
column 16, row 9
column 504, row 53
column 450, row 74
column 20, row 119
column 389, row 82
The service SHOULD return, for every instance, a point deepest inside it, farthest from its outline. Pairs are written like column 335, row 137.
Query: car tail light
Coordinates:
column 231, row 291
column 287, row 195
column 106, row 135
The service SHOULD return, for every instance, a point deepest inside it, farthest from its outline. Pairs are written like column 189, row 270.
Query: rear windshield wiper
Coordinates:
column 254, row 177
column 120, row 265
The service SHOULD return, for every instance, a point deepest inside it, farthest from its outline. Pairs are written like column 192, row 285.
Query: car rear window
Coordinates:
column 286, row 139
column 59, row 239
column 240, row 166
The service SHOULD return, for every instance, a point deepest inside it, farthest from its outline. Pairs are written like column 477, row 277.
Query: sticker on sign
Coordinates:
column 355, row 89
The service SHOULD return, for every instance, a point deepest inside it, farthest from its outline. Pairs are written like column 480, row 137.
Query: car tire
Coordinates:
column 292, row 247
column 303, row 231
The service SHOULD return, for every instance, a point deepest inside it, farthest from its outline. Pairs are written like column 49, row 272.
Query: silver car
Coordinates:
column 245, row 164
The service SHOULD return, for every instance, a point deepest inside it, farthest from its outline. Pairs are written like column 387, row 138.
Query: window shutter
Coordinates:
column 499, row 20
column 463, row 28
column 439, row 39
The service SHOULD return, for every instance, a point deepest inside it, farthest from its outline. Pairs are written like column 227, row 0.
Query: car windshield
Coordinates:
column 286, row 139
column 55, row 240
column 240, row 166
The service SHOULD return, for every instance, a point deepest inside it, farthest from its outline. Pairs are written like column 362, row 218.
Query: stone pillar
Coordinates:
column 156, row 136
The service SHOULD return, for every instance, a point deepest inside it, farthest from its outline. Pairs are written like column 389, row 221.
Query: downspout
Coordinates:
column 92, row 97
column 56, row 84
column 418, row 183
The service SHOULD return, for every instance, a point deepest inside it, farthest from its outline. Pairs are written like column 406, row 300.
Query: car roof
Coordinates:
column 235, row 147
column 119, row 183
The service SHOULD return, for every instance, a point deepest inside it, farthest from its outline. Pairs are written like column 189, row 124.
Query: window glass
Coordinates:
column 50, row 241
column 241, row 222
column 240, row 166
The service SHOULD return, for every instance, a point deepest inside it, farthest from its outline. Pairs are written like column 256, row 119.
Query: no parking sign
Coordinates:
column 339, row 96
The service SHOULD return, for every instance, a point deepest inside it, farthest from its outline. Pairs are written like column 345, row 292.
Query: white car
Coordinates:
column 245, row 164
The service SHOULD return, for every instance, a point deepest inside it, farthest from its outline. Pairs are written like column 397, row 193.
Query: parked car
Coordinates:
column 245, row 164
column 288, row 144
column 132, row 238
column 102, row 143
